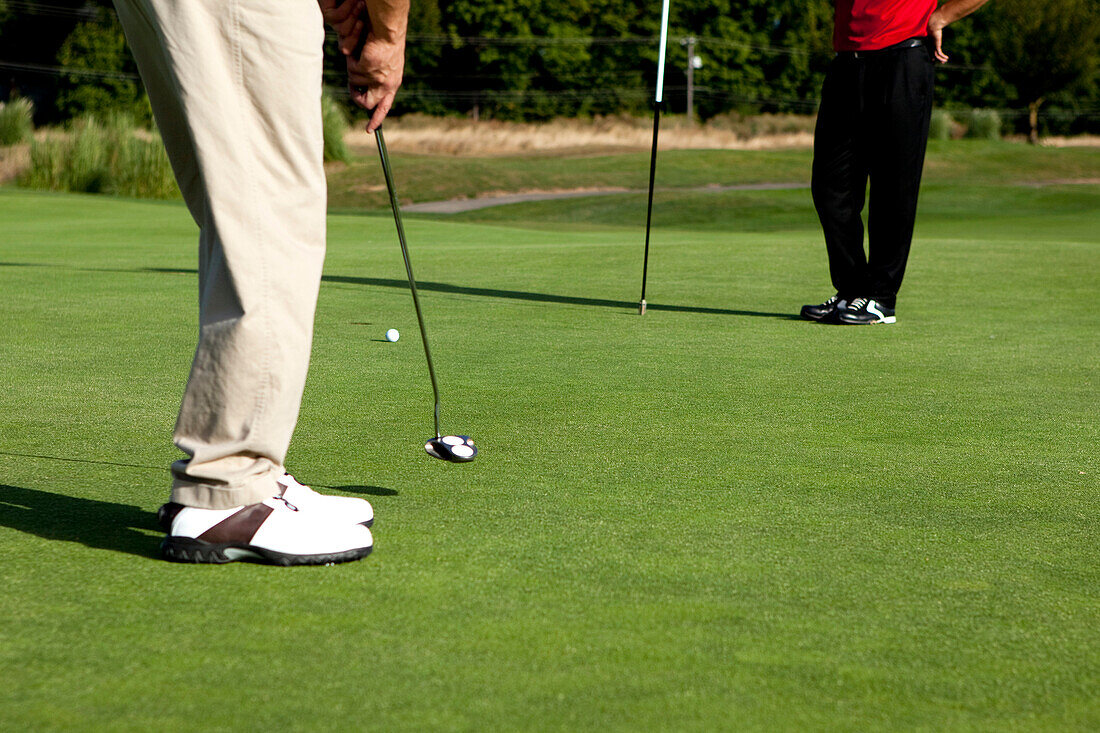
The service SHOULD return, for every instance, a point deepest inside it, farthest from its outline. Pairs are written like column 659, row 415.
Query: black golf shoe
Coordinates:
column 825, row 312
column 863, row 311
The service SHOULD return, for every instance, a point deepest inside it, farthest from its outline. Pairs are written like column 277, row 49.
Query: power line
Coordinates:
column 722, row 43
column 520, row 95
column 66, row 70
column 94, row 13
column 85, row 12
column 532, row 40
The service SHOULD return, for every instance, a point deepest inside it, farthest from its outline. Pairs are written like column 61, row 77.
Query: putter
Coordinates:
column 454, row 448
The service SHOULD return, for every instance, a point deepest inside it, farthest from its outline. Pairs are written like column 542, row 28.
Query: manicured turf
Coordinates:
column 713, row 517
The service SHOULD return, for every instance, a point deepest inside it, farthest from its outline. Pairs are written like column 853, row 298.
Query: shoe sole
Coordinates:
column 190, row 550
column 887, row 319
column 827, row 318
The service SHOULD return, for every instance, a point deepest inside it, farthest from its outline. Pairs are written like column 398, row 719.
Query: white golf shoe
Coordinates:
column 343, row 508
column 274, row 531
column 346, row 509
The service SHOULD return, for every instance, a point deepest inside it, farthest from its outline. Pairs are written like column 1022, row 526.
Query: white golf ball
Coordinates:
column 393, row 334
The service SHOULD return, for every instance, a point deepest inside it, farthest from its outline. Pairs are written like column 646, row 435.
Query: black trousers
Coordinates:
column 872, row 124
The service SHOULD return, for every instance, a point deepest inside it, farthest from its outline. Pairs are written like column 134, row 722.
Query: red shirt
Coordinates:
column 868, row 25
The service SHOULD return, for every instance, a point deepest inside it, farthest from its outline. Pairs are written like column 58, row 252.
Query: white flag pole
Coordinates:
column 657, row 100
column 661, row 53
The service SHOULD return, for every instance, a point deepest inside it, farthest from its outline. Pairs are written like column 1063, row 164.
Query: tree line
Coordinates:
column 535, row 59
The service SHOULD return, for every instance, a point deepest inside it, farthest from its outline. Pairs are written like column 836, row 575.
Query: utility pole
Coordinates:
column 690, row 43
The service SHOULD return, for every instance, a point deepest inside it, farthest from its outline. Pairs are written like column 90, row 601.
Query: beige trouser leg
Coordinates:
column 235, row 87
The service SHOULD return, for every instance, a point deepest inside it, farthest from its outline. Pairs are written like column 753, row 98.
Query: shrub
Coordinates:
column 335, row 122
column 942, row 126
column 16, row 123
column 95, row 156
column 984, row 124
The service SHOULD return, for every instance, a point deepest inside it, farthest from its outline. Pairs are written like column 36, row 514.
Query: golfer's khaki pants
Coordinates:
column 235, row 87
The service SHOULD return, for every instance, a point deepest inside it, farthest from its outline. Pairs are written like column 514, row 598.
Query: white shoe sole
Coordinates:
column 887, row 319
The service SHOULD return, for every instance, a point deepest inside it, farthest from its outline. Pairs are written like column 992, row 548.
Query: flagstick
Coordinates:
column 653, row 153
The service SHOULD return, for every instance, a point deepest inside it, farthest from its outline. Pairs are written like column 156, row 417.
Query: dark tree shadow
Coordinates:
column 522, row 295
column 99, row 524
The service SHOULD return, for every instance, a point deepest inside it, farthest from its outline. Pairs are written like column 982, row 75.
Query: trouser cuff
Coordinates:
column 207, row 496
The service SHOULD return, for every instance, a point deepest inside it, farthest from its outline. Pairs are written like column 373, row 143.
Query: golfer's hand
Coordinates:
column 936, row 24
column 374, row 77
column 347, row 18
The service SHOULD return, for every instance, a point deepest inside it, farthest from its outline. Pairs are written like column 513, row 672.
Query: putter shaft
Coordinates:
column 408, row 266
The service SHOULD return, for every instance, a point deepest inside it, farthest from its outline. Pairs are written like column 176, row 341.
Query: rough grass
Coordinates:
column 16, row 121
column 14, row 159
column 335, row 126
column 101, row 156
column 712, row 517
column 983, row 124
column 431, row 177
column 579, row 161
column 464, row 137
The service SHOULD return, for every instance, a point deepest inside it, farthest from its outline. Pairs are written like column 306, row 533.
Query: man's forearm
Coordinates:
column 389, row 19
column 951, row 10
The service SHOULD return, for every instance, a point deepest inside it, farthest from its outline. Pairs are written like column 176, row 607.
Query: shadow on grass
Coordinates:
column 520, row 295
column 369, row 490
column 98, row 524
column 159, row 469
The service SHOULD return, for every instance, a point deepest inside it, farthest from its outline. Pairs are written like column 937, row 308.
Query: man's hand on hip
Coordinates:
column 936, row 24
column 947, row 13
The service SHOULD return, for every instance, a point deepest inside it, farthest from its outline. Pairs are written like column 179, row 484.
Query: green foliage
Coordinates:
column 104, row 78
column 16, row 121
column 970, row 79
column 102, row 156
column 422, row 60
column 335, row 122
column 745, row 50
column 1042, row 49
column 537, row 59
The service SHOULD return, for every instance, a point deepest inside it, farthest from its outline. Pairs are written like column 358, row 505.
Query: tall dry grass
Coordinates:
column 984, row 124
column 101, row 156
column 16, row 121
column 334, row 122
column 14, row 159
column 456, row 136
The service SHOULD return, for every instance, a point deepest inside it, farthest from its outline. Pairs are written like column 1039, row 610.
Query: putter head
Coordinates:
column 453, row 448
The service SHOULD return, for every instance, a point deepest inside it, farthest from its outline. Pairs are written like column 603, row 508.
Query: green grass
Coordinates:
column 1019, row 210
column 430, row 178
column 713, row 517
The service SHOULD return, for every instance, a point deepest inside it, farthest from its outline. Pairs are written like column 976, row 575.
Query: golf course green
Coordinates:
column 713, row 517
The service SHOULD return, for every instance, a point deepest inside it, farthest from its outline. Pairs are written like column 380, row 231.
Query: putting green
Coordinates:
column 713, row 517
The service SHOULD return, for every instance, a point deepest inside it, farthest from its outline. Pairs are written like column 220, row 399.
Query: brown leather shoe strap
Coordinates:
column 239, row 527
